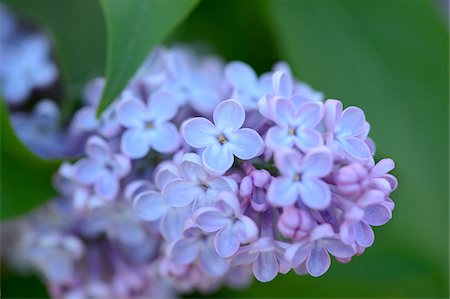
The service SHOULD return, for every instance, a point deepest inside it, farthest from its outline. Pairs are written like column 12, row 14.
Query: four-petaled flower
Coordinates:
column 295, row 126
column 311, row 254
column 148, row 124
column 226, row 218
column 347, row 131
column 102, row 168
column 224, row 138
column 195, row 184
column 301, row 178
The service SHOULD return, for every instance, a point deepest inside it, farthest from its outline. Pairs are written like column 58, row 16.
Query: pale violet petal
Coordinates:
column 180, row 193
column 150, row 205
column 87, row 172
column 279, row 137
column 310, row 114
column 318, row 261
column 317, row 163
column 162, row 106
column 338, row 249
column 107, row 186
column 356, row 148
column 199, row 132
column 282, row 84
column 131, row 113
column 217, row 158
column 184, row 251
column 315, row 193
column 352, row 122
column 210, row 219
column 246, row 144
column 210, row 261
column 135, row 143
column 164, row 137
column 226, row 242
column 364, row 235
column 282, row 192
column 308, row 139
column 265, row 266
column 229, row 116
column 97, row 149
column 240, row 75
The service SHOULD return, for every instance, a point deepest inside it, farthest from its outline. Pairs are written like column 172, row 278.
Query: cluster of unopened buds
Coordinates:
column 202, row 173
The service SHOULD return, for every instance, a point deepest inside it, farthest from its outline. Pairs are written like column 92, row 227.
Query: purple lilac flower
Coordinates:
column 199, row 248
column 188, row 216
column 195, row 184
column 312, row 254
column 224, row 138
column 301, row 179
column 40, row 130
column 247, row 87
column 85, row 120
column 25, row 64
column 226, row 218
column 346, row 131
column 296, row 126
column 148, row 125
column 102, row 168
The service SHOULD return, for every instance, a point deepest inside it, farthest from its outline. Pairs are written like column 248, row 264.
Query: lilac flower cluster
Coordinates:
column 202, row 173
column 25, row 62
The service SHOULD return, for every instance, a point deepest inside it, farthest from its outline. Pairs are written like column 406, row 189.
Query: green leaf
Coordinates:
column 25, row 180
column 79, row 35
column 134, row 28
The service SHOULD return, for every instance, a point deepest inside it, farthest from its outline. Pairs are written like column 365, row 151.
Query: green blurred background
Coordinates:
column 391, row 58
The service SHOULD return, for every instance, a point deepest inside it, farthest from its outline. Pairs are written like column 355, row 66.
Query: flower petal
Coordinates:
column 226, row 242
column 204, row 100
column 297, row 253
column 310, row 114
column 352, row 122
column 172, row 223
column 164, row 137
column 246, row 144
column 210, row 262
column 87, row 171
column 107, row 186
column 318, row 261
column 278, row 137
column 240, row 75
column 184, row 251
column 282, row 84
column 308, row 139
column 356, row 148
column 210, row 219
column 217, row 158
column 199, row 132
column 364, row 234
column 339, row 249
column 246, row 229
column 229, row 116
column 131, row 113
column 377, row 214
column 150, row 205
column 180, row 193
column 317, row 163
column 332, row 114
column 97, row 149
column 315, row 193
column 162, row 106
column 265, row 266
column 135, row 143
column 282, row 192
